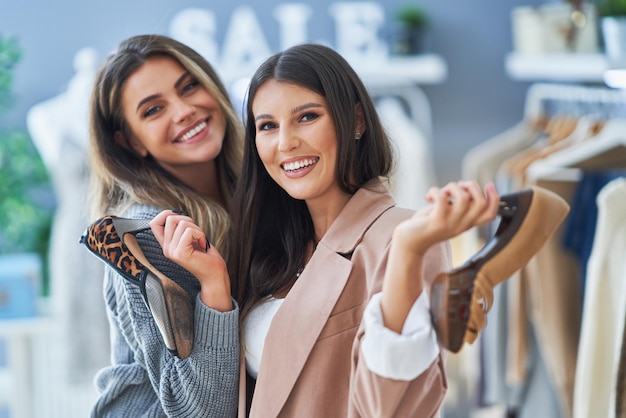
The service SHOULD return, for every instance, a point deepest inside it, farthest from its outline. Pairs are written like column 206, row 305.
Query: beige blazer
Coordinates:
column 311, row 365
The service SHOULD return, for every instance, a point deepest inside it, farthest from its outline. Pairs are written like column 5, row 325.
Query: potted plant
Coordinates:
column 25, row 221
column 410, row 30
column 612, row 15
column 612, row 8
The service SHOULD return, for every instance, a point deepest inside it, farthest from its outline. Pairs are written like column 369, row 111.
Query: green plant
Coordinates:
column 25, row 221
column 9, row 56
column 608, row 8
column 411, row 16
column 407, row 34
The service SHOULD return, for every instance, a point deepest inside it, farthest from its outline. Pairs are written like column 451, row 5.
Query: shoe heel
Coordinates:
column 171, row 308
column 482, row 300
column 527, row 219
column 173, row 313
column 450, row 297
column 113, row 240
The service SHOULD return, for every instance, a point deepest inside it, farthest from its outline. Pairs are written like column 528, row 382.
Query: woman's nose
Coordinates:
column 287, row 140
column 183, row 111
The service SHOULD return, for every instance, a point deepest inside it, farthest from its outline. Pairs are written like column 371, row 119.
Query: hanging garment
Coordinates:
column 604, row 309
column 581, row 223
column 536, row 331
column 620, row 387
column 414, row 173
column 554, row 300
column 482, row 163
column 519, row 342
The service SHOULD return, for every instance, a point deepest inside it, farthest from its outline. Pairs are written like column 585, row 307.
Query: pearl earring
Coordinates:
column 357, row 135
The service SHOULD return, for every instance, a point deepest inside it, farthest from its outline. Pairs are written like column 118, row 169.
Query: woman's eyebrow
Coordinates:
column 293, row 111
column 304, row 107
column 156, row 96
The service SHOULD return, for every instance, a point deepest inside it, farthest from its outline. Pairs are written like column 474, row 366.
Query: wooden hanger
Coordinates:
column 605, row 150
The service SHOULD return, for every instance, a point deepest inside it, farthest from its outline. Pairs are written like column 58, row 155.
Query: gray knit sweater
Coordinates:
column 145, row 379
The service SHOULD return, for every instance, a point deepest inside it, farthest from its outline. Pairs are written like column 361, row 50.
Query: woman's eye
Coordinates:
column 190, row 86
column 265, row 126
column 309, row 117
column 151, row 111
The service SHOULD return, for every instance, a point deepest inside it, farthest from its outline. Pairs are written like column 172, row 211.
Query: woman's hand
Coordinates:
column 455, row 208
column 185, row 243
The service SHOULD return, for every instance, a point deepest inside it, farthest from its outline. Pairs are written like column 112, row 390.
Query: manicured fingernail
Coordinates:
column 178, row 211
column 208, row 245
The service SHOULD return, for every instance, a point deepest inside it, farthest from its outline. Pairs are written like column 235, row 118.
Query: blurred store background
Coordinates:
column 465, row 91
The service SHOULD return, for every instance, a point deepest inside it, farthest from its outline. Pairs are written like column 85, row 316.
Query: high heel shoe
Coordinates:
column 112, row 240
column 461, row 298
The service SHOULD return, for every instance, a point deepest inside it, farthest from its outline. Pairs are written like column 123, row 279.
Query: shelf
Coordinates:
column 398, row 71
column 19, row 327
column 391, row 71
column 557, row 67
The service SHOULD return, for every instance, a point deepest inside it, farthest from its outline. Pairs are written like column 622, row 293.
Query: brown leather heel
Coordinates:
column 461, row 298
column 450, row 295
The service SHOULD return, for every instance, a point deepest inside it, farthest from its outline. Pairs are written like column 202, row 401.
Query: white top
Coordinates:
column 255, row 328
column 397, row 356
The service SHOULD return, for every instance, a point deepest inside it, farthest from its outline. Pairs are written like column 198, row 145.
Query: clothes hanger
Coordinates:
column 605, row 150
column 541, row 96
column 590, row 104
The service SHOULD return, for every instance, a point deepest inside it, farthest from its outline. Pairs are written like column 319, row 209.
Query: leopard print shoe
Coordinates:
column 112, row 239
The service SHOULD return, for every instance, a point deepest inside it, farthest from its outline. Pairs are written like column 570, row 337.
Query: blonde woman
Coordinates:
column 164, row 135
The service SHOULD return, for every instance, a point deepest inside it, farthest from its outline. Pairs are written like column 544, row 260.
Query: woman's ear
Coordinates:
column 359, row 121
column 130, row 143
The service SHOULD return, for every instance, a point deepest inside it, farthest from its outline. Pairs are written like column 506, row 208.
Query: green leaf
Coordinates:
column 24, row 224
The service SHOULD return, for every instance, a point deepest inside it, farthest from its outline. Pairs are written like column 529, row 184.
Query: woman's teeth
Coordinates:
column 299, row 164
column 192, row 132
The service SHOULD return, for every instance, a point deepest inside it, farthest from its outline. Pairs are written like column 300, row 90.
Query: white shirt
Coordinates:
column 396, row 356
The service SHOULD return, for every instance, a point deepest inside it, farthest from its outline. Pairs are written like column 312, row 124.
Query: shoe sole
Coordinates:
column 169, row 303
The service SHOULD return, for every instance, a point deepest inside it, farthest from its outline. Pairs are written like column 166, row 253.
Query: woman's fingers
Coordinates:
column 491, row 205
column 478, row 203
column 170, row 229
column 461, row 205
column 185, row 243
column 190, row 238
column 455, row 208
column 157, row 224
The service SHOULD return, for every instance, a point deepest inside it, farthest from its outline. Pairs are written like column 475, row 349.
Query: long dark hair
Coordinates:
column 272, row 229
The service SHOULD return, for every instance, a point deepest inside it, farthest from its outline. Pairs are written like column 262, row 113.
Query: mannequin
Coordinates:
column 59, row 130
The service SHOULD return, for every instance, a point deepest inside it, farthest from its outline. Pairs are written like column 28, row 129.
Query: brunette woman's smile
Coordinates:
column 297, row 141
column 299, row 167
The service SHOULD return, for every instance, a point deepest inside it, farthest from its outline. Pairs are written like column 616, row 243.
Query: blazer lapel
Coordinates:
column 300, row 319
column 306, row 309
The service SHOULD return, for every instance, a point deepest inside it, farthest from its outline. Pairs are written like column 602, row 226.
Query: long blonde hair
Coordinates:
column 121, row 178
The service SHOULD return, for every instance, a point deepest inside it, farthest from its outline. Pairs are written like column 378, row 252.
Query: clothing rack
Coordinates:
column 605, row 149
column 545, row 100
